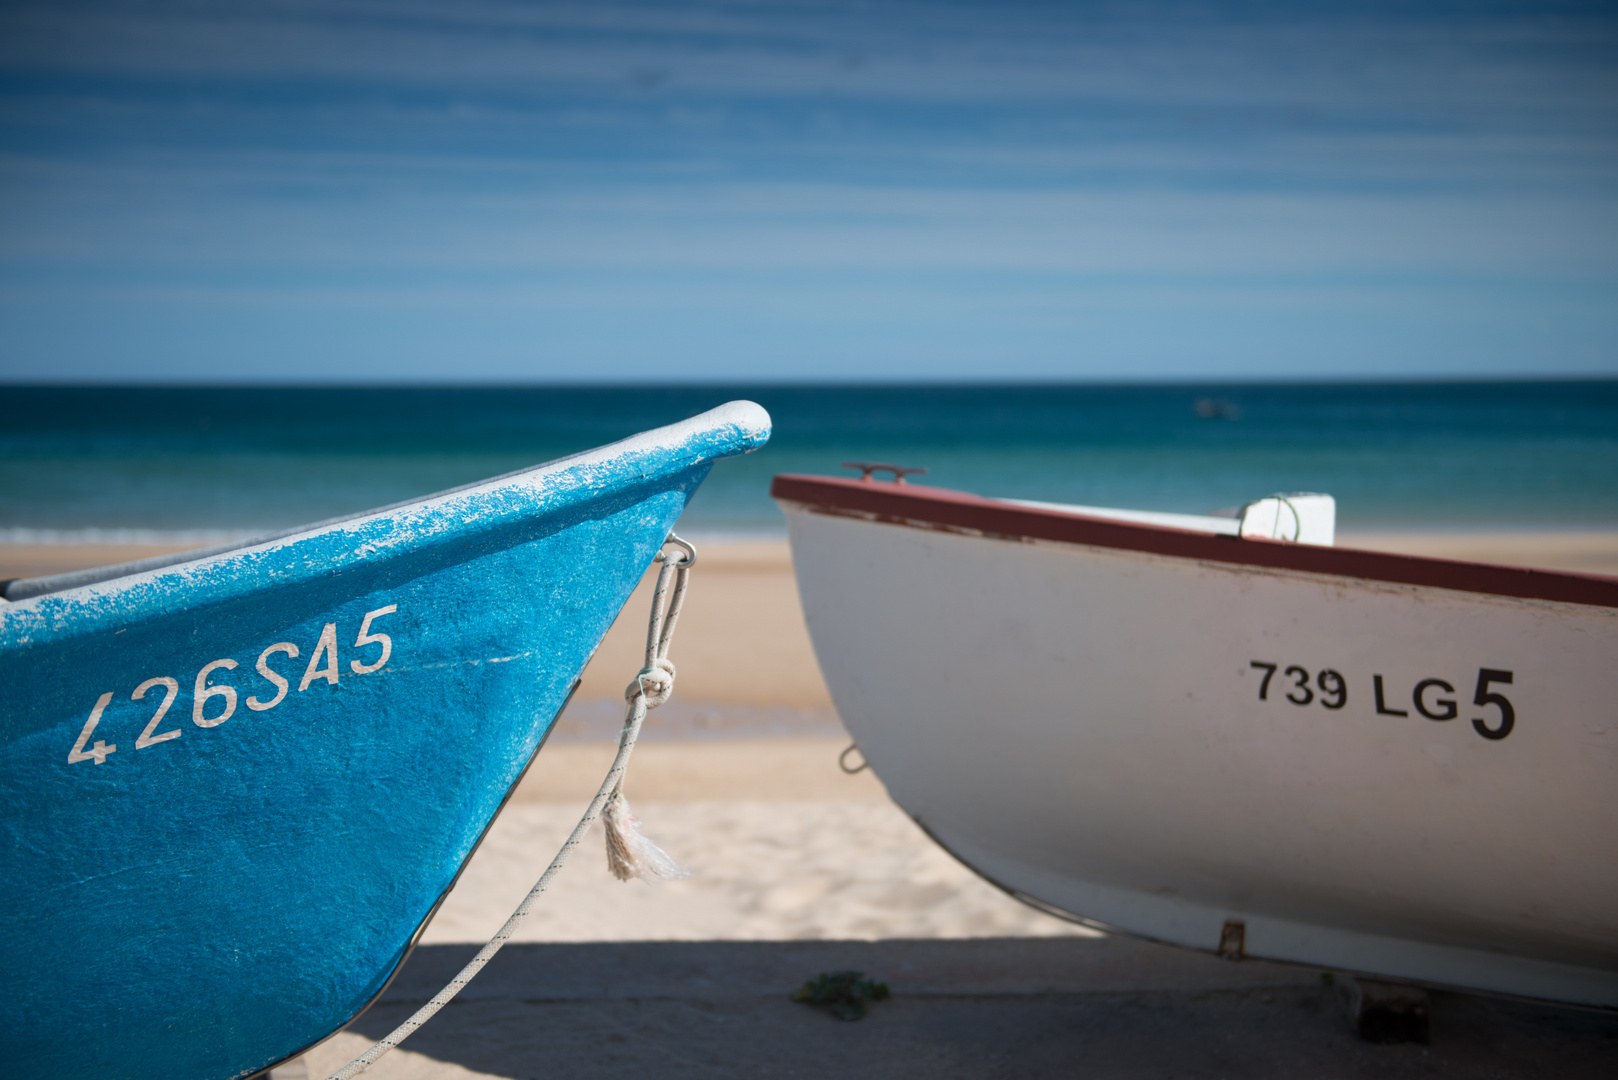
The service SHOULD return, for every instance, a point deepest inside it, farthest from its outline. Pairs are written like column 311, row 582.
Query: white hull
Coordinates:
column 1082, row 725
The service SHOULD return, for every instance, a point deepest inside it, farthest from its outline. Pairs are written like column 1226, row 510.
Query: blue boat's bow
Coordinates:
column 236, row 786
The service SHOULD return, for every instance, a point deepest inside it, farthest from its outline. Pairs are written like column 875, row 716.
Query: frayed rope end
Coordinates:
column 629, row 853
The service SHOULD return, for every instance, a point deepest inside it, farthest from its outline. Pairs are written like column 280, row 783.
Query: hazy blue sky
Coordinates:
column 402, row 190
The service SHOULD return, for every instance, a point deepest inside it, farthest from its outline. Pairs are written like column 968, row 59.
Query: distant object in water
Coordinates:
column 1217, row 409
column 1180, row 728
column 237, row 784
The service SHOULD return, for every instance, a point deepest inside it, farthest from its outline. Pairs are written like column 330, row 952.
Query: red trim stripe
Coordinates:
column 939, row 508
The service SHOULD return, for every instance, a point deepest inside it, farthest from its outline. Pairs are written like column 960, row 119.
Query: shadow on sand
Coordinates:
column 983, row 1007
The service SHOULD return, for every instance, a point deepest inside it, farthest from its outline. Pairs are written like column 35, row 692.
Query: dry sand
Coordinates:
column 780, row 844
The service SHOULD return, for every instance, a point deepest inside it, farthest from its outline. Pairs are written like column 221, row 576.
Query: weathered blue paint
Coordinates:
column 215, row 902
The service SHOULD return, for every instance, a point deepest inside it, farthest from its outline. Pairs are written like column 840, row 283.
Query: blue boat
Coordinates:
column 236, row 786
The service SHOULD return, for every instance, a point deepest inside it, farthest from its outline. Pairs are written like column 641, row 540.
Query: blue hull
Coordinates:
column 346, row 710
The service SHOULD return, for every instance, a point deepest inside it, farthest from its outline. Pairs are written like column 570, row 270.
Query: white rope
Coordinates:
column 628, row 853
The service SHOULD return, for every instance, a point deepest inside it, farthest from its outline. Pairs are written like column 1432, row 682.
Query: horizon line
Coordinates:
column 1429, row 379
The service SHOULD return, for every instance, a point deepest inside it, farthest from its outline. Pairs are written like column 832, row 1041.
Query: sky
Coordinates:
column 365, row 191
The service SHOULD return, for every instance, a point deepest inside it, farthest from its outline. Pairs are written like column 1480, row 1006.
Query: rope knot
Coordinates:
column 655, row 681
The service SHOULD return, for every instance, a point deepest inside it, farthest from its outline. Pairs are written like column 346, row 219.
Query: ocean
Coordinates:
column 153, row 464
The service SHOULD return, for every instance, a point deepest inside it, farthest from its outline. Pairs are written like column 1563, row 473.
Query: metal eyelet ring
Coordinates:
column 690, row 559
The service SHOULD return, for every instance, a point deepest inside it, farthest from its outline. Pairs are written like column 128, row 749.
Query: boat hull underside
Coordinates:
column 1083, row 726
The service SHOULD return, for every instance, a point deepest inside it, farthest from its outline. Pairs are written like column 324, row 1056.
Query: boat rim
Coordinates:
column 946, row 510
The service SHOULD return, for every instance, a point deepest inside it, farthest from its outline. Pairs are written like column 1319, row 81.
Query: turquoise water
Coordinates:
column 110, row 462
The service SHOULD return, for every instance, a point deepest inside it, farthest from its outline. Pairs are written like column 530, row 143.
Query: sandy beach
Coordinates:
column 737, row 778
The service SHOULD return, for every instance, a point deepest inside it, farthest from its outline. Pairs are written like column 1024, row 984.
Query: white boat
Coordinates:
column 1168, row 726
